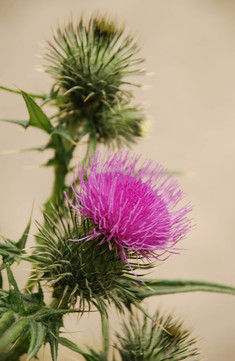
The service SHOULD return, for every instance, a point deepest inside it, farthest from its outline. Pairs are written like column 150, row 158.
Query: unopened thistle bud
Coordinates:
column 87, row 272
column 144, row 340
column 90, row 63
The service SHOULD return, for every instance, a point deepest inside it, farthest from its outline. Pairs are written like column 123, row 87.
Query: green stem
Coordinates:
column 6, row 321
column 91, row 148
column 39, row 96
column 12, row 334
column 105, row 333
column 60, row 163
column 60, row 172
column 163, row 287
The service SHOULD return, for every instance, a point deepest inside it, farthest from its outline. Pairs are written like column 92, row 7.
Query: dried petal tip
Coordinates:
column 135, row 209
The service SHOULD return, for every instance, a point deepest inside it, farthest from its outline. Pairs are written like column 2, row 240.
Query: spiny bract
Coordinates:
column 90, row 62
column 144, row 340
column 83, row 271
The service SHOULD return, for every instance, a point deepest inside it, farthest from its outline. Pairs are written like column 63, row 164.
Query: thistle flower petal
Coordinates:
column 135, row 209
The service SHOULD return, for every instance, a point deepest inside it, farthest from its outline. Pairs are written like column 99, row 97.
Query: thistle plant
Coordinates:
column 102, row 233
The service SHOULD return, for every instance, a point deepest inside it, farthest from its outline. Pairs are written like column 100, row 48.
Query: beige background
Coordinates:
column 189, row 46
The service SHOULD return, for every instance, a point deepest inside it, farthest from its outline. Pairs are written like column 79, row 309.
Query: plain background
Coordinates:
column 190, row 50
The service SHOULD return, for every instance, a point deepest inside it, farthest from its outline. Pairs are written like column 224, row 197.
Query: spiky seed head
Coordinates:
column 85, row 271
column 144, row 340
column 90, row 63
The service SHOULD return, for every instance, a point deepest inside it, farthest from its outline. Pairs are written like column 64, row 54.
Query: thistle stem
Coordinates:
column 163, row 287
column 105, row 333
column 12, row 334
column 91, row 148
column 6, row 321
column 60, row 172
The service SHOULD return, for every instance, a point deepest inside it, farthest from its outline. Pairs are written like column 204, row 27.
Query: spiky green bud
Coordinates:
column 144, row 340
column 85, row 270
column 90, row 63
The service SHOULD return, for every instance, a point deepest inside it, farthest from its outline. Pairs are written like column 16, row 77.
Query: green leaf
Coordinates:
column 53, row 341
column 40, row 96
column 40, row 148
column 23, row 123
column 15, row 297
column 63, row 133
column 163, row 287
column 11, row 279
column 71, row 345
column 37, row 336
column 37, row 118
column 9, row 252
column 105, row 333
column 22, row 241
column 12, row 251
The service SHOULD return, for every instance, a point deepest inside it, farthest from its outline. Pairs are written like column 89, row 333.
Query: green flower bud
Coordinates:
column 82, row 271
column 90, row 64
column 145, row 340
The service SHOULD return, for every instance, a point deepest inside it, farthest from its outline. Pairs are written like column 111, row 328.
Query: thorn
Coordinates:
column 162, row 328
column 12, row 151
column 150, row 73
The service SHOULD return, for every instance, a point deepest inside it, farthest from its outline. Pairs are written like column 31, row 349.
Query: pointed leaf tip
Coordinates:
column 23, row 239
column 37, row 118
column 22, row 123
column 37, row 337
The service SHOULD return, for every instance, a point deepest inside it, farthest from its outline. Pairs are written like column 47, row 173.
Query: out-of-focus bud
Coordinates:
column 90, row 63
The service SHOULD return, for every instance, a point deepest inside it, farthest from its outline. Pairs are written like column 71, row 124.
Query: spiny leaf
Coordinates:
column 15, row 296
column 162, row 287
column 37, row 336
column 105, row 333
column 62, row 132
column 71, row 345
column 40, row 96
column 37, row 118
column 22, row 241
column 23, row 123
column 11, row 279
column 40, row 148
column 53, row 341
column 12, row 251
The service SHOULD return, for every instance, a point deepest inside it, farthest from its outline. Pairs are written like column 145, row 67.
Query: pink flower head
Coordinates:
column 134, row 208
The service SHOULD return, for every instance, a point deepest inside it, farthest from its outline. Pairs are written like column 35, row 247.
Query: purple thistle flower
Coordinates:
column 134, row 209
